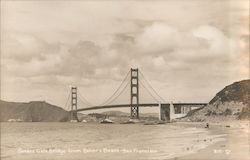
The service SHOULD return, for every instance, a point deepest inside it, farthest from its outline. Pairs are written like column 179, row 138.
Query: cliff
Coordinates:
column 232, row 102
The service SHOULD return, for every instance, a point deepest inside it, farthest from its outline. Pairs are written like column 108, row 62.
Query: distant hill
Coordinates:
column 34, row 111
column 232, row 102
column 123, row 114
column 119, row 116
column 116, row 113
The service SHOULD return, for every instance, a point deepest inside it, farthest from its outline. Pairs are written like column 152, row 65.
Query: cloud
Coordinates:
column 173, row 42
column 157, row 37
column 26, row 55
column 25, row 47
column 218, row 42
column 157, row 47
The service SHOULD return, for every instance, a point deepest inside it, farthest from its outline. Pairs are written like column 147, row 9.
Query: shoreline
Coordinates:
column 236, row 145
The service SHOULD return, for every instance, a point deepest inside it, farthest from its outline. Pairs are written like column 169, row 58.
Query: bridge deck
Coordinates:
column 140, row 105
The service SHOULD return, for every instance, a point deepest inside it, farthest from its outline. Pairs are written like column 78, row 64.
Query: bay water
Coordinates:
column 60, row 140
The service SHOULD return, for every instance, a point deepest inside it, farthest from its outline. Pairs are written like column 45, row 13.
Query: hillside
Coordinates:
column 230, row 103
column 237, row 92
column 35, row 111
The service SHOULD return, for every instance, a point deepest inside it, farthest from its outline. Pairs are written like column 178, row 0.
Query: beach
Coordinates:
column 235, row 146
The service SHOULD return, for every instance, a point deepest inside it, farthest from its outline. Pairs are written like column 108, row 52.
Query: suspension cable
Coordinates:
column 108, row 99
column 83, row 102
column 66, row 104
column 118, row 94
column 148, row 91
column 151, row 87
column 80, row 102
column 84, row 99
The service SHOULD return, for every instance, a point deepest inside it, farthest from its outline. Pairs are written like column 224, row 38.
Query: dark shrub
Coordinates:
column 228, row 112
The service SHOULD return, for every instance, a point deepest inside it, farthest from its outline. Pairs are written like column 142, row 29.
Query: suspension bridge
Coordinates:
column 135, row 98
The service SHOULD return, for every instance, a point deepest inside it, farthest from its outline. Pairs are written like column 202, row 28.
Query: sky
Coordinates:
column 187, row 49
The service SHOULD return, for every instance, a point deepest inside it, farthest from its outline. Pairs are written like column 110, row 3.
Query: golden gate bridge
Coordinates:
column 137, row 84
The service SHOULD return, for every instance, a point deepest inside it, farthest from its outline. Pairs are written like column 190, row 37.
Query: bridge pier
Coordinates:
column 159, row 105
column 164, row 114
column 134, row 94
column 171, row 107
column 168, row 111
column 73, row 112
column 73, row 116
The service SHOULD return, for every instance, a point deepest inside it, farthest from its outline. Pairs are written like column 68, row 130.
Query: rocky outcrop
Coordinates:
column 232, row 102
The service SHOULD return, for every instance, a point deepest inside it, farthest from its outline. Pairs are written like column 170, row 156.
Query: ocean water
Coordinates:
column 100, row 141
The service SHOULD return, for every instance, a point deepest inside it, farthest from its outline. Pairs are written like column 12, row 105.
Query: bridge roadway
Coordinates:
column 140, row 105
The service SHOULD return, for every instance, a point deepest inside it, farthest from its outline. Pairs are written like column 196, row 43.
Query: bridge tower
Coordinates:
column 134, row 94
column 73, row 114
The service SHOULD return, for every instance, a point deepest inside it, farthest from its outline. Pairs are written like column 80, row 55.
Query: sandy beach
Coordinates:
column 235, row 146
